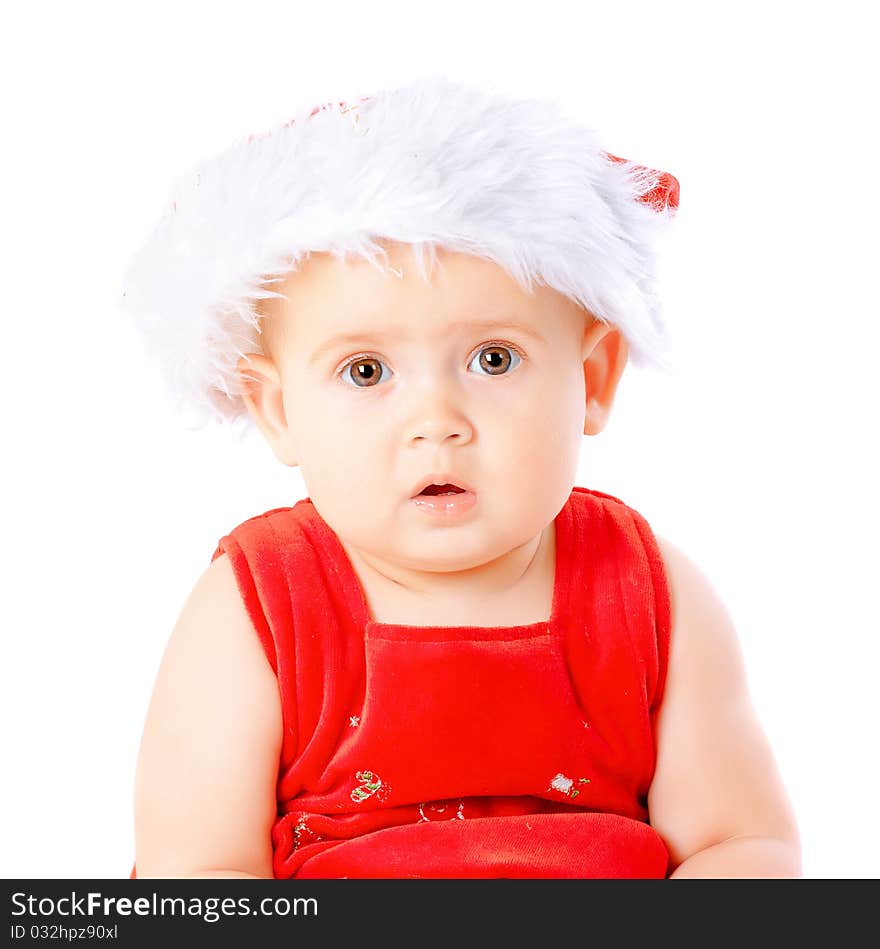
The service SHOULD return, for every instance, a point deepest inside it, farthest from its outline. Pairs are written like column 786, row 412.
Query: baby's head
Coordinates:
column 412, row 220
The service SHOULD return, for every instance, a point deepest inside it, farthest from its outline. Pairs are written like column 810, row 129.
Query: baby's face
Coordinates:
column 392, row 382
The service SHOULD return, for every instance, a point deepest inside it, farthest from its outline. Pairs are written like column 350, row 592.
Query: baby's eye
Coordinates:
column 496, row 360
column 365, row 372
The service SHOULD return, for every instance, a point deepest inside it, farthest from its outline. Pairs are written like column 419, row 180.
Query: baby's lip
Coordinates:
column 440, row 478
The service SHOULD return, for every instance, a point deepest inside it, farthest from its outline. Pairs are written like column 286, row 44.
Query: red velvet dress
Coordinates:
column 413, row 751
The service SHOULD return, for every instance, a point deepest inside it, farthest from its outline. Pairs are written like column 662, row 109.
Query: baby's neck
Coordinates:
column 513, row 590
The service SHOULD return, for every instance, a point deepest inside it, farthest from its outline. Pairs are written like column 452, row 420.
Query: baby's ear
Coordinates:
column 605, row 352
column 262, row 393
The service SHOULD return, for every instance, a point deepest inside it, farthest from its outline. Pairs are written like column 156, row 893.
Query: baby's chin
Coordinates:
column 443, row 557
column 448, row 552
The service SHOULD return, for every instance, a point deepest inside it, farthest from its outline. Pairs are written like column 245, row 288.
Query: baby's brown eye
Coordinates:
column 496, row 360
column 364, row 372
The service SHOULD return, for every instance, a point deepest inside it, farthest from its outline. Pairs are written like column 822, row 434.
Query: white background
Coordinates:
column 756, row 455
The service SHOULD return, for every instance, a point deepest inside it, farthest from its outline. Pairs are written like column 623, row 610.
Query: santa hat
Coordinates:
column 433, row 163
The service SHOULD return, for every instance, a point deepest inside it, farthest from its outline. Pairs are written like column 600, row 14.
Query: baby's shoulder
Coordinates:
column 715, row 777
column 704, row 650
column 212, row 734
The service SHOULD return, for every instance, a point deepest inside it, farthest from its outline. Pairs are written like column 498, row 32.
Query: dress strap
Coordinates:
column 619, row 590
column 302, row 617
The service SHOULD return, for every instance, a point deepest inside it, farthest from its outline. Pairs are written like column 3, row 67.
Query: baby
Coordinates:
column 449, row 660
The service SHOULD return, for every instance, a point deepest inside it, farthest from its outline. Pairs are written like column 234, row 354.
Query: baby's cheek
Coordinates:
column 346, row 474
column 336, row 474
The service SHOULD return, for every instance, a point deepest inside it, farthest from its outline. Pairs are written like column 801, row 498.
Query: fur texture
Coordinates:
column 433, row 163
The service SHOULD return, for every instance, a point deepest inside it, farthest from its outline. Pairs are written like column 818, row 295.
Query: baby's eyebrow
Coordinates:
column 365, row 339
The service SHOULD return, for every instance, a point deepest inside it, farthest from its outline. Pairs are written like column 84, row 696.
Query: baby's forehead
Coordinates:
column 404, row 289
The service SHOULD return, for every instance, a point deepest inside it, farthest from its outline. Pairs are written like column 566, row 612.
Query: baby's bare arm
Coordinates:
column 717, row 797
column 208, row 761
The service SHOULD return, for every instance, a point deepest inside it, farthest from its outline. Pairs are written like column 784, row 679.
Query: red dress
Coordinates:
column 413, row 751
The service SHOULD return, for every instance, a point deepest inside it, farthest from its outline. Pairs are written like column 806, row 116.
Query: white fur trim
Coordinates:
column 430, row 164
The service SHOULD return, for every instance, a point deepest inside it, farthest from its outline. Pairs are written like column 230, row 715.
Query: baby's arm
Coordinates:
column 208, row 761
column 717, row 798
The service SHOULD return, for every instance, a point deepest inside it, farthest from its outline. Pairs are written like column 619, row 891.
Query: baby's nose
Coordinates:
column 439, row 417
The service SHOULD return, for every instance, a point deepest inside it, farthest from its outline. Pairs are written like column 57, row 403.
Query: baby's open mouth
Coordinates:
column 441, row 489
column 446, row 501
